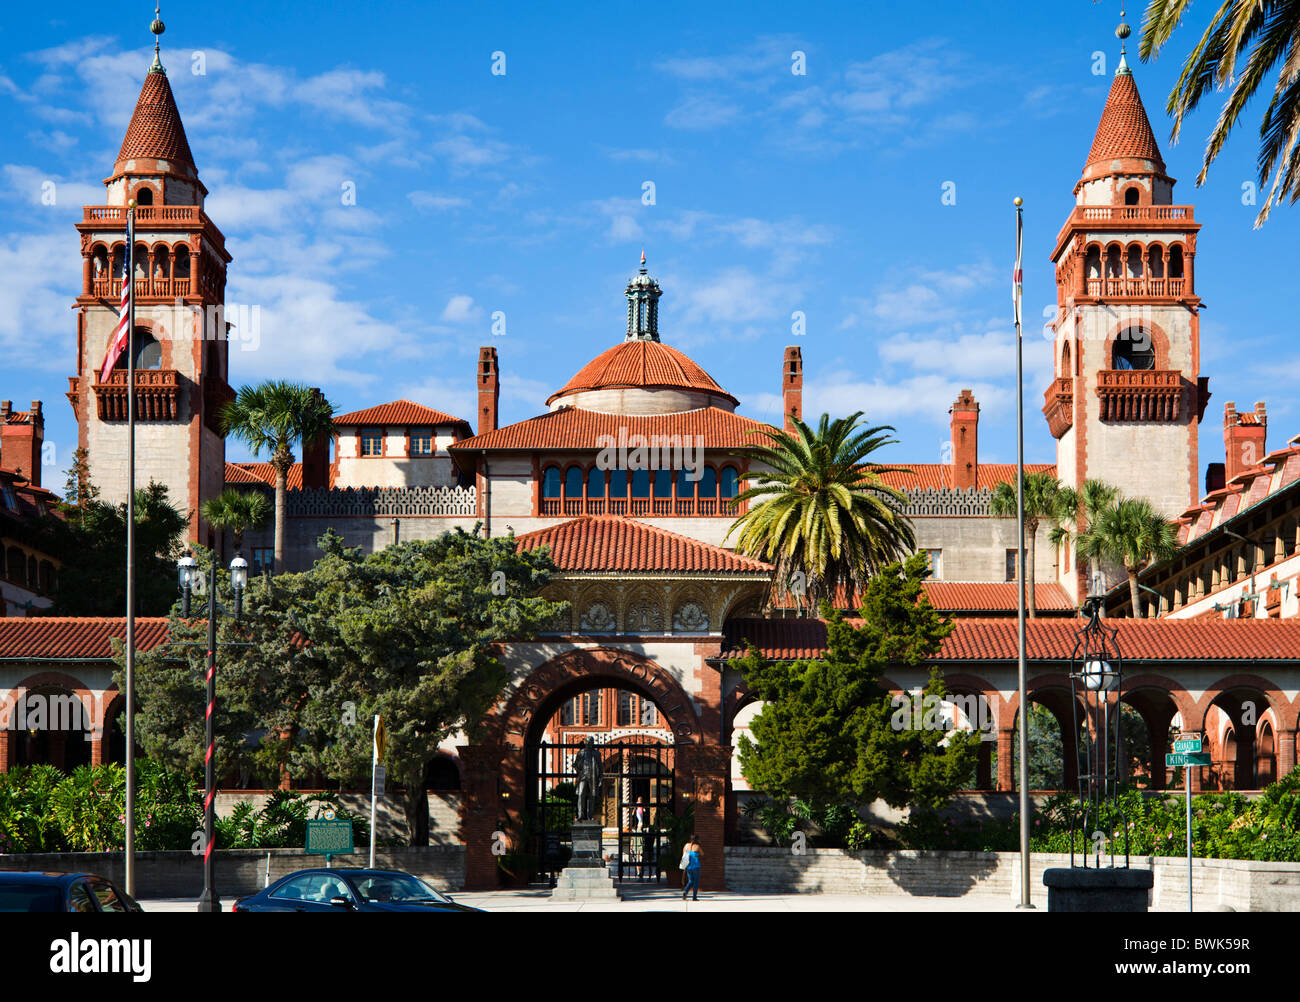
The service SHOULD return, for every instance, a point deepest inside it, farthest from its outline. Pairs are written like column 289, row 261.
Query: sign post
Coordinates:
column 376, row 778
column 1187, row 754
column 328, row 837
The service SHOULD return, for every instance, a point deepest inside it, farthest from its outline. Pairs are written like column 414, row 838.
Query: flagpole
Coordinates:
column 1018, row 292
column 129, row 277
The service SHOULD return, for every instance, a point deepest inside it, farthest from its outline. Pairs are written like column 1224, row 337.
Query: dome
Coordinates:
column 642, row 377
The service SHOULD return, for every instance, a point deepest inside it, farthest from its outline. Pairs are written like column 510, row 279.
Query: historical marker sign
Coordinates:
column 329, row 838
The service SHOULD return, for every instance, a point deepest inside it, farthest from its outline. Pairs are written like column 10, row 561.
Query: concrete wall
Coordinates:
column 179, row 874
column 1218, row 884
column 390, row 814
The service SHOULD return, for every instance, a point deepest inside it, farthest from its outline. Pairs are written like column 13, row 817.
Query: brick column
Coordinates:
column 702, row 780
column 1006, row 762
column 480, row 812
column 1285, row 752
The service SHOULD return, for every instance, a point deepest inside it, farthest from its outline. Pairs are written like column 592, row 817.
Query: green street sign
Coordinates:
column 1188, row 745
column 329, row 838
column 1176, row 759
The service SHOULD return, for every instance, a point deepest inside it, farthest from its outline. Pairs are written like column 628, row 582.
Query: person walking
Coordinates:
column 691, row 869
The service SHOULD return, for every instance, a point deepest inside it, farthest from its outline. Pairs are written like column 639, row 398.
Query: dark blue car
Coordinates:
column 349, row 890
column 46, row 891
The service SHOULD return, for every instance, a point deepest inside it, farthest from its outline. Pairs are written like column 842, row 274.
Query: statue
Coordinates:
column 590, row 774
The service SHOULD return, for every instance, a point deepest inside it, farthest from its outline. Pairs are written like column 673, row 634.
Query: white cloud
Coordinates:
column 460, row 309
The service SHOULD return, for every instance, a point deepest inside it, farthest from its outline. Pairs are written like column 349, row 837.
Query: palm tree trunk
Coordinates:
column 281, row 502
column 1031, row 540
column 1138, row 612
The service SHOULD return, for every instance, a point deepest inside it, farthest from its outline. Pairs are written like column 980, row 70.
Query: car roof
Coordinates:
column 43, row 876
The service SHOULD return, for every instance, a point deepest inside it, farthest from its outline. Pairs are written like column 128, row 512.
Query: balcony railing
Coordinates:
column 1140, row 394
column 641, row 507
column 1058, row 406
column 111, row 288
column 1155, row 287
column 190, row 215
column 157, row 395
column 1132, row 213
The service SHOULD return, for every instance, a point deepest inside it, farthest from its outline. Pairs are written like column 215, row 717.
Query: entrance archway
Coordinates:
column 496, row 767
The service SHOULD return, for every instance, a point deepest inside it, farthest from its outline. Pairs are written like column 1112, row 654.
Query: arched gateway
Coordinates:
column 502, row 768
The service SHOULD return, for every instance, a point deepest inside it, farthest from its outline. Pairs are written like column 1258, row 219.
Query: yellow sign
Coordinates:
column 381, row 738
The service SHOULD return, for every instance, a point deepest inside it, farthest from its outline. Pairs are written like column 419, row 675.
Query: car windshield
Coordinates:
column 396, row 887
column 30, row 898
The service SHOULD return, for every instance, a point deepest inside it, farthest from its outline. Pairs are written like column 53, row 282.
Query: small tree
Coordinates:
column 1045, row 500
column 1130, row 532
column 829, row 732
column 237, row 511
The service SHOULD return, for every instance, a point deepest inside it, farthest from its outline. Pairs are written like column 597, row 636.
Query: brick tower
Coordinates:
column 1127, row 395
column 180, row 339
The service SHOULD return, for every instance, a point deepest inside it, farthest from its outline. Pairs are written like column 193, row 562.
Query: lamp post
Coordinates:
column 190, row 578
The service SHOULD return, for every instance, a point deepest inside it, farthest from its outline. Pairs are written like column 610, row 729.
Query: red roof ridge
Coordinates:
column 156, row 131
column 401, row 411
column 1124, row 131
column 585, row 544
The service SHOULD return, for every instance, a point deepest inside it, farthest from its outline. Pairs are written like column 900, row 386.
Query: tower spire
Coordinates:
column 157, row 27
column 643, row 294
column 1122, row 33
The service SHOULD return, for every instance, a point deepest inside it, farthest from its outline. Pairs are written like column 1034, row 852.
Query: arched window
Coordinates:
column 618, row 483
column 1175, row 261
column 663, row 483
column 1131, row 196
column 182, row 255
column 16, row 567
column 1156, row 262
column 100, row 262
column 641, row 483
column 685, row 485
column 1067, row 362
column 33, row 582
column 596, row 483
column 1134, row 261
column 119, row 261
column 729, row 481
column 708, row 486
column 1092, row 262
column 141, row 262
column 551, row 482
column 144, row 195
column 162, row 263
column 1133, row 349
column 148, row 352
column 573, row 482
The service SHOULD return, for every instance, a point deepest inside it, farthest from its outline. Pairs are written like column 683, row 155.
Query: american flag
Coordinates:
column 1018, row 275
column 121, row 333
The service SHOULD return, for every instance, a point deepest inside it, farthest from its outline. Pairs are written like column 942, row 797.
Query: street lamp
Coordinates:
column 1096, row 679
column 190, row 579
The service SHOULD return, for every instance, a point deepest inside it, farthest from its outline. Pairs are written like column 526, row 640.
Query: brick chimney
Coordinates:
column 316, row 458
column 21, row 437
column 1243, row 438
column 965, row 440
column 489, row 389
column 792, row 386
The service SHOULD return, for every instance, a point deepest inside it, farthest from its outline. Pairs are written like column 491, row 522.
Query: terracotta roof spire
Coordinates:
column 157, row 27
column 1124, row 132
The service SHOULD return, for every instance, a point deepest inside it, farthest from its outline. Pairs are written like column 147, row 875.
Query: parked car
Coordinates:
column 36, row 891
column 345, row 889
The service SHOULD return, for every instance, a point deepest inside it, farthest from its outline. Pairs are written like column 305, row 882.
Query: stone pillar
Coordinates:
column 702, row 781
column 480, row 812
column 1006, row 760
column 1285, row 751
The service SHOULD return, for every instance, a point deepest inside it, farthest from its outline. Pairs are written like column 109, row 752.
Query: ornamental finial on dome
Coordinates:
column 157, row 27
column 643, row 294
column 1122, row 33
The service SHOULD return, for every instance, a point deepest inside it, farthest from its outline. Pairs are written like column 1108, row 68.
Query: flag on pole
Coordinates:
column 121, row 333
column 1018, row 275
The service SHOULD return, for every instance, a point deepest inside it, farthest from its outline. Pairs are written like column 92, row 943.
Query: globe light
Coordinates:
column 1098, row 676
column 186, row 568
column 238, row 573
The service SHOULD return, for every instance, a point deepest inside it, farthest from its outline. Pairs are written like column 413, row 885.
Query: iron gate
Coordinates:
column 638, row 791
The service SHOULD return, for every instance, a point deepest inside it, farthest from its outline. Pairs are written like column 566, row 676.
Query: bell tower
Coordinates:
column 179, row 278
column 1127, row 396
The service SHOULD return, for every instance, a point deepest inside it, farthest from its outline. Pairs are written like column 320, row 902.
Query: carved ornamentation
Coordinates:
column 599, row 618
column 691, row 617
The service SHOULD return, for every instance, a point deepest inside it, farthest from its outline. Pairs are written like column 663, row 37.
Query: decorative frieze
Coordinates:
column 938, row 501
column 374, row 502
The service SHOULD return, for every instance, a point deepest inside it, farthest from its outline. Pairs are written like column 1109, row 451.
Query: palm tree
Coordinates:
column 1129, row 531
column 1094, row 497
column 273, row 416
column 823, row 512
column 237, row 511
column 1046, row 498
column 1264, row 32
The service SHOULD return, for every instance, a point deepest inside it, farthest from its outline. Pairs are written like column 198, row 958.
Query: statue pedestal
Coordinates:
column 586, row 878
column 1075, row 889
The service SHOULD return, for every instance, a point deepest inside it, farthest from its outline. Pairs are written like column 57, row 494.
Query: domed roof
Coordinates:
column 1124, row 132
column 642, row 365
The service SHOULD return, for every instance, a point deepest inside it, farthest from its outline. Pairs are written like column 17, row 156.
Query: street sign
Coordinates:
column 1188, row 745
column 380, row 775
column 329, row 838
column 381, row 738
column 1177, row 759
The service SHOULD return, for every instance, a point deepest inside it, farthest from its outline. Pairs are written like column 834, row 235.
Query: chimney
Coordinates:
column 792, row 386
column 1214, row 477
column 316, row 458
column 965, row 440
column 1243, row 438
column 21, row 437
column 489, row 389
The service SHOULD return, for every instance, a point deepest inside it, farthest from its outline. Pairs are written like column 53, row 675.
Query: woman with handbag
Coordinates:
column 691, row 869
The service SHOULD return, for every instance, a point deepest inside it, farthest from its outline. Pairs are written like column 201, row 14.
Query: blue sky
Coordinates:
column 523, row 193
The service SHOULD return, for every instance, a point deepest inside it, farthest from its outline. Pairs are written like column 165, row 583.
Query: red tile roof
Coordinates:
column 1247, row 489
column 400, row 412
column 936, row 475
column 38, row 637
column 993, row 596
column 156, row 131
column 262, row 473
column 615, row 543
column 638, row 364
column 571, row 428
column 1208, row 640
column 1124, row 130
